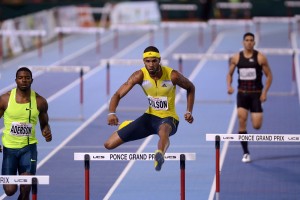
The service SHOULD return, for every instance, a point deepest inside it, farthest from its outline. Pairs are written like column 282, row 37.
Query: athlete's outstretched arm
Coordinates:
column 135, row 78
column 183, row 82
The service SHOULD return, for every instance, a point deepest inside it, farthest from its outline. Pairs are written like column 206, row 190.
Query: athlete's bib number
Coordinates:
column 20, row 129
column 158, row 103
column 247, row 74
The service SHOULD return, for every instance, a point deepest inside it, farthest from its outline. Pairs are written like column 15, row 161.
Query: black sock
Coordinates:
column 244, row 143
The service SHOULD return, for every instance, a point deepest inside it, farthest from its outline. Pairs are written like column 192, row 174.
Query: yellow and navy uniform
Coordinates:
column 20, row 120
column 160, row 93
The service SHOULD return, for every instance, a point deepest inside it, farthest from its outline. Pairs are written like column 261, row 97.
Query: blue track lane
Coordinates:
column 272, row 174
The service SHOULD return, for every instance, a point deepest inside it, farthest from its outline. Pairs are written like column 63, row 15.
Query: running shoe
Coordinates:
column 159, row 160
column 246, row 158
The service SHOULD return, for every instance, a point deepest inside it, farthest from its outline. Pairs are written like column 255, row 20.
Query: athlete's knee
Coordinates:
column 256, row 126
column 113, row 142
column 109, row 145
column 10, row 190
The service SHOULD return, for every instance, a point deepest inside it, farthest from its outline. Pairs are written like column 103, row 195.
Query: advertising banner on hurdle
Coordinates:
column 24, row 180
column 254, row 137
column 131, row 156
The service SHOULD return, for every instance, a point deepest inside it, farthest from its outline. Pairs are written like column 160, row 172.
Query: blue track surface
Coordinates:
column 273, row 174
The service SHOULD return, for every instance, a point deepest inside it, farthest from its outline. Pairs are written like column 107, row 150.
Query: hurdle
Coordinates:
column 184, row 25
column 66, row 69
column 79, row 30
column 116, row 28
column 31, row 33
column 258, row 21
column 87, row 157
column 291, row 52
column 243, row 7
column 34, row 181
column 190, row 8
column 228, row 22
column 290, row 5
column 244, row 137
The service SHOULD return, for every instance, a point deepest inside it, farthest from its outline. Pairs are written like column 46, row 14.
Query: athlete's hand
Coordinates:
column 230, row 90
column 112, row 120
column 263, row 97
column 189, row 117
column 47, row 134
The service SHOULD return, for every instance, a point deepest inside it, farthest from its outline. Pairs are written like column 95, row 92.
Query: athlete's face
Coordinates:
column 23, row 80
column 249, row 42
column 152, row 65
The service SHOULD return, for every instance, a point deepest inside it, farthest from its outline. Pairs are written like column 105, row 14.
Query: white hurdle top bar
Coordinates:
column 24, row 180
column 254, row 137
column 50, row 68
column 79, row 30
column 23, row 32
column 131, row 156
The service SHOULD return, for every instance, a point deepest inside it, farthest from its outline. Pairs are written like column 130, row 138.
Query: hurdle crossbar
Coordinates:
column 235, row 5
column 24, row 180
column 131, row 156
column 72, row 69
column 132, row 27
column 226, row 56
column 198, row 56
column 254, row 137
column 183, row 25
column 32, row 33
column 231, row 22
column 176, row 7
column 273, row 19
column 292, row 4
column 79, row 30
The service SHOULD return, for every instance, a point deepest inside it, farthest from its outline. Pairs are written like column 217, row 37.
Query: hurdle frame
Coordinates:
column 87, row 157
column 243, row 137
column 33, row 180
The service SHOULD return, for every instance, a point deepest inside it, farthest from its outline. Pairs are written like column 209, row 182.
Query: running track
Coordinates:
column 273, row 174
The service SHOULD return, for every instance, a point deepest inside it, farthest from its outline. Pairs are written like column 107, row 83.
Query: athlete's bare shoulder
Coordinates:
column 136, row 77
column 4, row 100
column 42, row 103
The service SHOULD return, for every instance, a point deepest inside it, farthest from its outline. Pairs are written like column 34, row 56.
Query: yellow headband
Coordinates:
column 151, row 54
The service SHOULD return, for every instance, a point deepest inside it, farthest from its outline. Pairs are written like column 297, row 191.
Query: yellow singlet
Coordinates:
column 160, row 93
column 20, row 121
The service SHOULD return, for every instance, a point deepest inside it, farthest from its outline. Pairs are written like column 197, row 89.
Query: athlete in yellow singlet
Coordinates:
column 159, row 84
column 21, row 109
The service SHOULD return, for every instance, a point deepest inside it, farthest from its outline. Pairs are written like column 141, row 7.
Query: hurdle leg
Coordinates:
column 34, row 188
column 87, row 176
column 217, row 141
column 81, row 94
column 182, row 176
